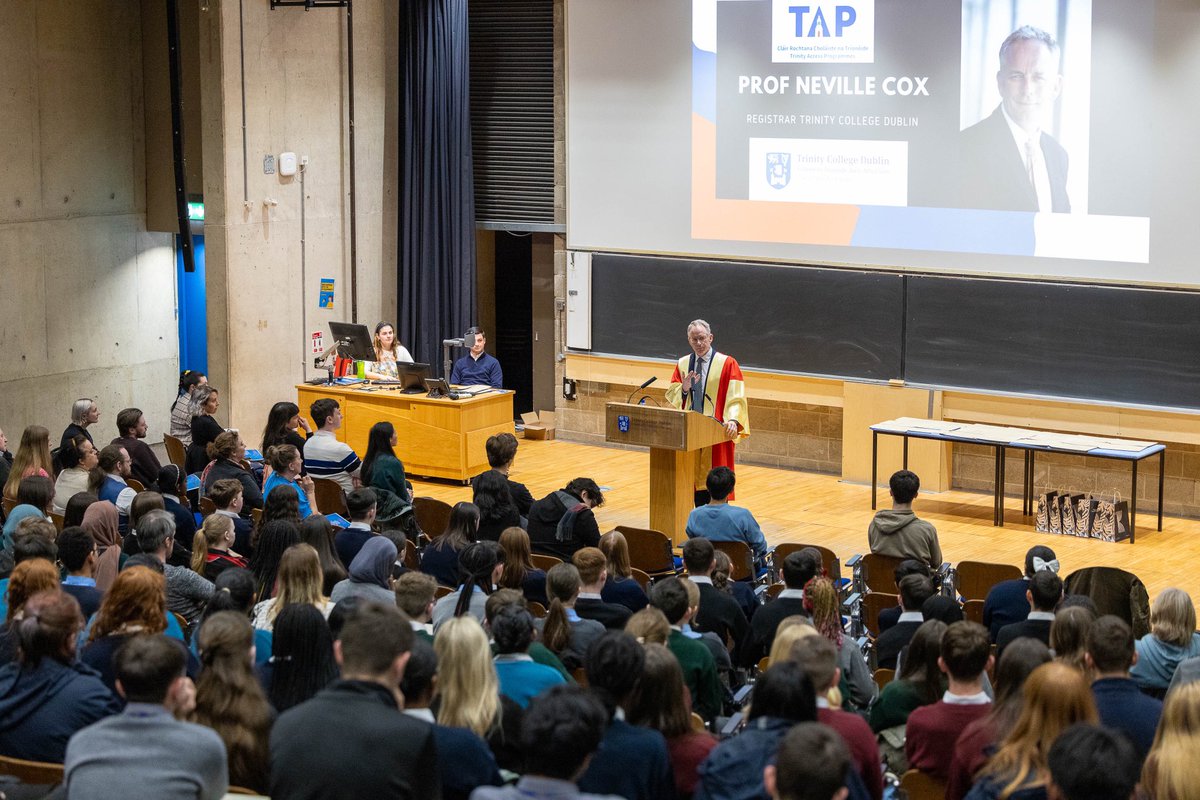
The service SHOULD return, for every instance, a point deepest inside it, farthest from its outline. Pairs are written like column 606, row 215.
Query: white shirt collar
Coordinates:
column 822, row 702
column 589, row 596
column 911, row 616
column 980, row 699
column 421, row 626
column 360, row 526
column 790, row 594
column 619, row 714
column 423, row 714
column 227, row 513
column 1041, row 616
column 700, row 579
column 117, row 478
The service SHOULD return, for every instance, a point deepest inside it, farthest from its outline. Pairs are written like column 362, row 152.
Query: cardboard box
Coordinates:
column 539, row 425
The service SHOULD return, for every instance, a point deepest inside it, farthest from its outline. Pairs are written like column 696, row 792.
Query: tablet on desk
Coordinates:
column 439, row 387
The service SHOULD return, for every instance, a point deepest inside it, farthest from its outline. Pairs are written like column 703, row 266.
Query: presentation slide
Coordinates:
column 1023, row 137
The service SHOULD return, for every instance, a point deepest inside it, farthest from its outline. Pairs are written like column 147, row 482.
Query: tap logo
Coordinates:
column 814, row 32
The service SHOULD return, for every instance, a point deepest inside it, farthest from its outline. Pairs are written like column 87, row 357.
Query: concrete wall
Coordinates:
column 87, row 300
column 263, row 283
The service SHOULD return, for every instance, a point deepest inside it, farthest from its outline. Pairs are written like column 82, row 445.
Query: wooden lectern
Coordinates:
column 674, row 437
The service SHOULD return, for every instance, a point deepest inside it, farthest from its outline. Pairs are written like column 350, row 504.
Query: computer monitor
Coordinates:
column 411, row 376
column 357, row 338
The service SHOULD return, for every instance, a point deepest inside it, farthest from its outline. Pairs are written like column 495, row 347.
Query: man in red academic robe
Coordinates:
column 711, row 383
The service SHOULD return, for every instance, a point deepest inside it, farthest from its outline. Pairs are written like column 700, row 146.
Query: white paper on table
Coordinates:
column 934, row 425
column 891, row 426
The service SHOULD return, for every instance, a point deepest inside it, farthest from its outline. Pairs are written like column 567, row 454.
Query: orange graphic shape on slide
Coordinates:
column 755, row 220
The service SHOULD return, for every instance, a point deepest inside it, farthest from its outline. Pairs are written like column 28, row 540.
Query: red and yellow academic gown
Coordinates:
column 725, row 400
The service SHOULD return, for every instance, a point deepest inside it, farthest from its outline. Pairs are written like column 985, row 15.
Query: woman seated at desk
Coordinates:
column 388, row 351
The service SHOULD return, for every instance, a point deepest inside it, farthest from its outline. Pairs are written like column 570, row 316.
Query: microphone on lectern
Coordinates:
column 648, row 381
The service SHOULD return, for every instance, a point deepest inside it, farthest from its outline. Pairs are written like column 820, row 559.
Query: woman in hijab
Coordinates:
column 100, row 520
column 19, row 513
column 370, row 573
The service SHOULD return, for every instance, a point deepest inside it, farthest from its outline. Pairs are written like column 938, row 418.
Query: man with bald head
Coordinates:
column 1008, row 161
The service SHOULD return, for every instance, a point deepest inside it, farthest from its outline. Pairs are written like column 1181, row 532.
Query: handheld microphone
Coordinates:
column 648, row 381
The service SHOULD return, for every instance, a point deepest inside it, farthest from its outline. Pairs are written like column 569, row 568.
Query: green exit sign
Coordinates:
column 196, row 212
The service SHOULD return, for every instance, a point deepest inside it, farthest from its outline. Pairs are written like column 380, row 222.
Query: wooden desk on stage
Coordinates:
column 675, row 438
column 436, row 438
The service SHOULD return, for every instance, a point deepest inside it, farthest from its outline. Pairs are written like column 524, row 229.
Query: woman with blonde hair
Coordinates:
column 300, row 580
column 230, row 700
column 1056, row 696
column 791, row 630
column 519, row 571
column 620, row 587
column 1171, row 771
column 212, row 545
column 820, row 598
column 1068, row 636
column 649, row 626
column 469, row 690
column 1172, row 638
column 32, row 458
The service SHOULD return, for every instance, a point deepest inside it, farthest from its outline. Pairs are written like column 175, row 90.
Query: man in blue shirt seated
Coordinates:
column 477, row 368
column 721, row 522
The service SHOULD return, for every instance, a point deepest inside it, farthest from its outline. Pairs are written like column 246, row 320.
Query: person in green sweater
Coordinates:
column 919, row 683
column 699, row 669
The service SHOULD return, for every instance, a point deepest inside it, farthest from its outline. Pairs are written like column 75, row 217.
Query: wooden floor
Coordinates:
column 821, row 509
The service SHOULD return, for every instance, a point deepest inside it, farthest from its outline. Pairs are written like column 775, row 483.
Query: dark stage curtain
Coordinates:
column 436, row 242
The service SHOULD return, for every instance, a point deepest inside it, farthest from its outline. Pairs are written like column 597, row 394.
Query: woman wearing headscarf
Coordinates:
column 19, row 513
column 370, row 573
column 100, row 520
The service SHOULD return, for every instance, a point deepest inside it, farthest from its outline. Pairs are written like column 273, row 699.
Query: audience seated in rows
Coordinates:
column 325, row 456
column 501, row 451
column 521, row 678
column 821, row 602
column 32, row 458
column 205, row 400
column 567, row 634
column 78, row 458
column 519, row 571
column 131, row 435
column 564, row 521
column 699, row 669
column 480, row 565
column 318, row 533
column 181, row 409
column 620, row 587
column 497, row 511
column 914, row 591
column 1043, row 596
column 1007, row 602
column 1172, row 639
column 286, row 464
column 593, row 575
column 898, row 532
column 440, row 557
column 84, row 414
column 227, row 461
column 719, row 521
column 298, row 582
column 1121, row 706
column 719, row 612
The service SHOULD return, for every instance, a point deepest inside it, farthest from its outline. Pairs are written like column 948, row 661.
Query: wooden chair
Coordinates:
column 973, row 611
column 330, row 497
column 698, row 723
column 883, row 676
column 829, row 559
column 922, row 786
column 649, row 550
column 742, row 558
column 57, row 519
column 41, row 773
column 183, row 625
column 873, row 603
column 580, row 676
column 8, row 505
column 974, row 579
column 207, row 507
column 763, row 663
column 441, row 592
column 432, row 515
column 774, row 589
column 176, row 451
column 879, row 573
column 135, row 484
column 641, row 577
column 412, row 559
column 544, row 562
column 536, row 609
column 256, row 516
column 243, row 790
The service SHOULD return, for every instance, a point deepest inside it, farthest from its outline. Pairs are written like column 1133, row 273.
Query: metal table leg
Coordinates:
column 1133, row 503
column 874, row 464
column 1000, row 489
column 1162, row 471
column 905, row 462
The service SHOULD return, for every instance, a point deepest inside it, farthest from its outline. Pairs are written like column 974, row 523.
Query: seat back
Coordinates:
column 536, row 609
column 330, row 497
column 441, row 592
column 641, row 577
column 873, row 603
column 256, row 516
column 697, row 723
column 879, row 572
column 580, row 676
column 8, row 504
column 829, row 559
column 922, row 786
column 742, row 558
column 883, row 676
column 176, row 452
column 649, row 550
column 135, row 484
column 973, row 611
column 35, row 772
column 432, row 515
column 57, row 519
column 774, row 589
column 544, row 562
column 207, row 506
column 412, row 559
column 976, row 578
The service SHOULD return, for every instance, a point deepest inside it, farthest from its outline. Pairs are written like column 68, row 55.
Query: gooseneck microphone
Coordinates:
column 649, row 381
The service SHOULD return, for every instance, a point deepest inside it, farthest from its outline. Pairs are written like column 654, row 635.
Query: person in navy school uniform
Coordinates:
column 477, row 368
column 226, row 495
column 1121, row 704
column 1006, row 602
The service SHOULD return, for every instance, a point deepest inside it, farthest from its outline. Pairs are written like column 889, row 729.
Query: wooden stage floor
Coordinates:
column 822, row 509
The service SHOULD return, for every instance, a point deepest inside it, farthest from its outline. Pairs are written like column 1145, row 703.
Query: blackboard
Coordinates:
column 841, row 323
column 1106, row 343
column 1068, row 340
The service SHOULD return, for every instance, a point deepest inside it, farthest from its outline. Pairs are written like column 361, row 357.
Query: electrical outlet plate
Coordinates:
column 269, row 164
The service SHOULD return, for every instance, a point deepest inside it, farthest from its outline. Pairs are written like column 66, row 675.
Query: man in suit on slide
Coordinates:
column 1008, row 162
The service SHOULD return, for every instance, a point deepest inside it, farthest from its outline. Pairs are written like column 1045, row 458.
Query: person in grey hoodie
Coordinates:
column 898, row 532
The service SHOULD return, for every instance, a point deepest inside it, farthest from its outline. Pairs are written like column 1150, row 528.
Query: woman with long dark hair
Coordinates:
column 919, row 683
column 564, row 632
column 301, row 659
column 274, row 539
column 381, row 469
column 205, row 428
column 230, row 700
column 496, row 508
column 519, row 572
column 181, row 409
column 283, row 424
column 440, row 557
column 479, row 564
column 317, row 532
column 76, row 507
column 233, row 590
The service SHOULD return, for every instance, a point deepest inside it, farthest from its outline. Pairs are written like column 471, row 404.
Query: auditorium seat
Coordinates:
column 829, row 559
column 432, row 515
column 176, row 452
column 544, row 562
column 330, row 498
column 922, row 786
column 40, row 773
column 974, row 579
column 649, row 551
